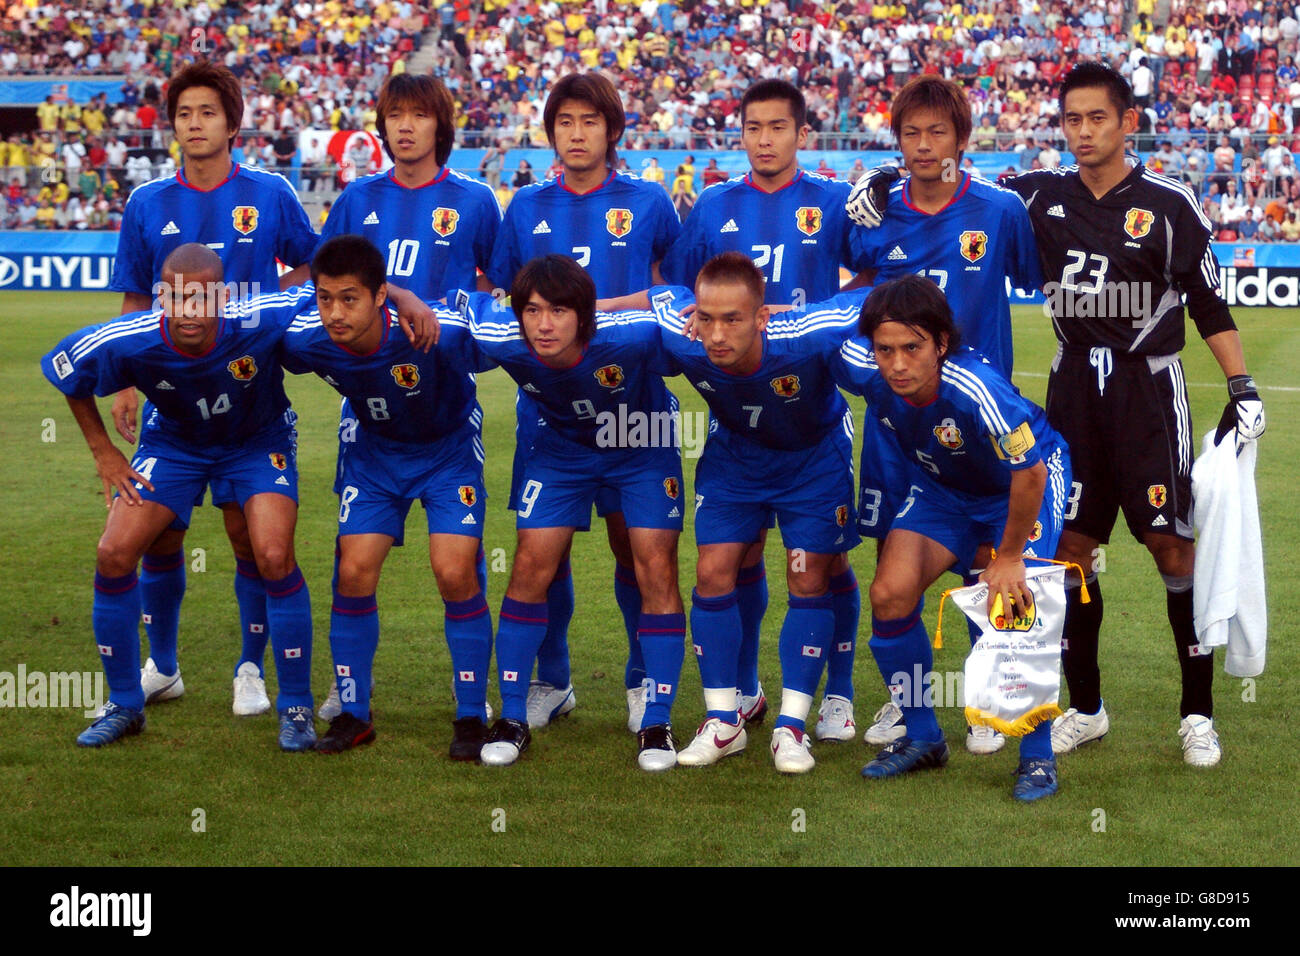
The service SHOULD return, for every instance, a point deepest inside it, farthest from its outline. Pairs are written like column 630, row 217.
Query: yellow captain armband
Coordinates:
column 1014, row 445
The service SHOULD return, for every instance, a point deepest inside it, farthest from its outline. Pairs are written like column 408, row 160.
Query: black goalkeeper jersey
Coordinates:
column 1116, row 268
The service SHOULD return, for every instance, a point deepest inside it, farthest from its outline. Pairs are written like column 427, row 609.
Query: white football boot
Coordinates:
column 714, row 740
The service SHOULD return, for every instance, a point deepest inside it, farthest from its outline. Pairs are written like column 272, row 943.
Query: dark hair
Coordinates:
column 422, row 92
column 932, row 93
column 734, row 267
column 560, row 281
column 765, row 90
column 597, row 90
column 1092, row 74
column 350, row 255
column 215, row 77
column 914, row 301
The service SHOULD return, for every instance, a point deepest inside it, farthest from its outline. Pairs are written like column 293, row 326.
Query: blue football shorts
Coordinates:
column 961, row 523
column 179, row 472
column 559, row 481
column 380, row 478
column 740, row 485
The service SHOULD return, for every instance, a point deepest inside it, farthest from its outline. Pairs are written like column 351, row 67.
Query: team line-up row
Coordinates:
column 954, row 459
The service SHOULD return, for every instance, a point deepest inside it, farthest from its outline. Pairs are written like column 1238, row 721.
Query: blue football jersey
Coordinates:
column 616, row 387
column 790, row 402
column 250, row 220
column 432, row 236
column 969, row 249
column 616, row 232
column 226, row 396
column 798, row 236
column 971, row 437
column 396, row 391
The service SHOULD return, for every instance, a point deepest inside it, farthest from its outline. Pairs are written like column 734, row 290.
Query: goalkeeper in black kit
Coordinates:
column 1120, row 246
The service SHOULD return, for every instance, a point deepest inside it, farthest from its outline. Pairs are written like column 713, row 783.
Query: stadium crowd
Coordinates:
column 1201, row 72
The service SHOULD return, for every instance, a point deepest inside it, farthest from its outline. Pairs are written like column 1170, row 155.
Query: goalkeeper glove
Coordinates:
column 1244, row 412
column 866, row 204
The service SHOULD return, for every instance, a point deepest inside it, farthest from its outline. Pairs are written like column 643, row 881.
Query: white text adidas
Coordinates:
column 370, row 220
column 730, row 226
column 170, row 229
column 541, row 229
column 896, row 254
column 1056, row 211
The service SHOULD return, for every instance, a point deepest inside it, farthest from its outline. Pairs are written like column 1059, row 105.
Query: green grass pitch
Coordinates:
column 577, row 797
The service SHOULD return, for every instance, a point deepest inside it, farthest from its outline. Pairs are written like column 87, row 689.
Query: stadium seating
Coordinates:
column 319, row 64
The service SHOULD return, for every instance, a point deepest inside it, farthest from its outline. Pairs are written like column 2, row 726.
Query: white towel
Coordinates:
column 1229, row 606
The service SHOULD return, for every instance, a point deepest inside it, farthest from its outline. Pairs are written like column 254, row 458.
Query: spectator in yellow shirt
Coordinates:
column 47, row 115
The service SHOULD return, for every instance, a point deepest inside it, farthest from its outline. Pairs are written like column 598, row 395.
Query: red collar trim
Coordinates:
column 442, row 174
column 749, row 178
column 383, row 337
column 961, row 191
column 565, row 186
column 180, row 178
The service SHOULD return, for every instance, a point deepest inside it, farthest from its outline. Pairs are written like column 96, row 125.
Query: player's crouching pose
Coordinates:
column 586, row 372
column 783, row 445
column 986, row 466
column 418, row 436
column 222, row 416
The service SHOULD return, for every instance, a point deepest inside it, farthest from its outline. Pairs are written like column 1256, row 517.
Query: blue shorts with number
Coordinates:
column 883, row 479
column 560, row 480
column 961, row 523
column 179, row 472
column 740, row 485
column 527, row 426
column 379, row 479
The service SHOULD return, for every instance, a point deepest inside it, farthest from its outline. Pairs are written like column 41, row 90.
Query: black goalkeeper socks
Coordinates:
column 1197, row 667
column 1079, row 654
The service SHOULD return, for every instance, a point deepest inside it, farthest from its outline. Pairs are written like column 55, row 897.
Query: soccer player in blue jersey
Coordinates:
column 220, row 417
column 791, row 223
column 970, row 237
column 985, row 465
column 418, row 436
column 251, row 218
column 609, row 422
column 782, row 443
column 434, row 224
column 617, row 227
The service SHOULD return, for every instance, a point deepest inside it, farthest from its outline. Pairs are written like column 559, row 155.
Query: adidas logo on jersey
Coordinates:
column 370, row 220
column 1160, row 522
column 1056, row 211
column 330, row 380
column 541, row 229
column 730, row 226
column 675, row 513
column 165, row 386
column 530, row 387
column 170, row 229
column 897, row 254
column 468, row 519
column 282, row 480
column 704, row 386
